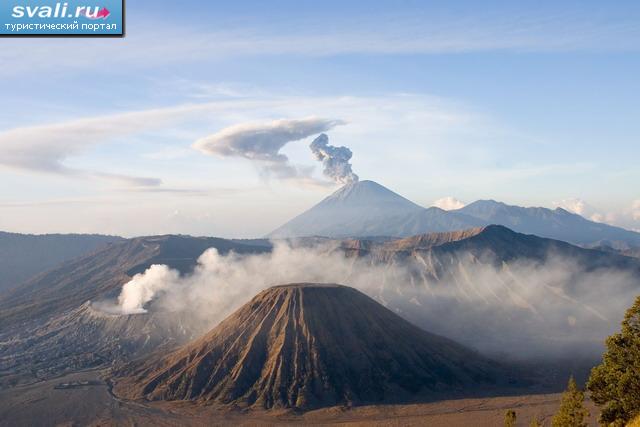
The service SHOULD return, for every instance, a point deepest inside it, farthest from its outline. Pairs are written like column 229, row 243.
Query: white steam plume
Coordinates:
column 143, row 287
column 523, row 309
column 334, row 159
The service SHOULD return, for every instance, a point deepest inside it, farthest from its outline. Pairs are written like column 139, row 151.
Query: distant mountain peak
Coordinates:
column 368, row 192
column 357, row 209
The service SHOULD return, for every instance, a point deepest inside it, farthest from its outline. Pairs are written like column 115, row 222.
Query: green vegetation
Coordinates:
column 510, row 418
column 535, row 422
column 572, row 412
column 615, row 383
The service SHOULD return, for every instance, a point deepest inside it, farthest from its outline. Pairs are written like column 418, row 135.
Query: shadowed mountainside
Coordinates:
column 308, row 345
column 22, row 256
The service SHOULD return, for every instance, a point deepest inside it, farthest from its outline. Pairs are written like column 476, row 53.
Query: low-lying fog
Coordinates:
column 523, row 309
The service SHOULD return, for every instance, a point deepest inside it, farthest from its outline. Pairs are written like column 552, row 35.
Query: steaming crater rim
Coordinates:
column 110, row 309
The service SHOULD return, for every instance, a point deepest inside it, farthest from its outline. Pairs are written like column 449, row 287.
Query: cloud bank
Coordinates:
column 261, row 143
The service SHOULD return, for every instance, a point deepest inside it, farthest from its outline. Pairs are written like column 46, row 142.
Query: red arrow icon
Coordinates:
column 103, row 13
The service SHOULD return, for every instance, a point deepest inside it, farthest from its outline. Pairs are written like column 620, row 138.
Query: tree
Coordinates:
column 535, row 422
column 510, row 418
column 572, row 412
column 615, row 383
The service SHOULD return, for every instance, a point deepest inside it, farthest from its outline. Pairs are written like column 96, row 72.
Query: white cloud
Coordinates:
column 261, row 143
column 51, row 148
column 448, row 203
column 574, row 205
column 44, row 148
column 635, row 210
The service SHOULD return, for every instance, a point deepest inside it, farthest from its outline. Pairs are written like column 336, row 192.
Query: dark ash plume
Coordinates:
column 334, row 159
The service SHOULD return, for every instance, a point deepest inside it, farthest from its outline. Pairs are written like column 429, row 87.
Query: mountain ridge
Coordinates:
column 366, row 208
column 556, row 223
column 23, row 256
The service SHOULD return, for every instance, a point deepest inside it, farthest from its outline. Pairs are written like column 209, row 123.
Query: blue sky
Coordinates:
column 528, row 103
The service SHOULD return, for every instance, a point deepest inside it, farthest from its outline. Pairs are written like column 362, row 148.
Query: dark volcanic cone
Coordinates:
column 309, row 345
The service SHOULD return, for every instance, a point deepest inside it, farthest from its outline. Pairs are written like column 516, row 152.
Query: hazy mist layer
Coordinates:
column 523, row 309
